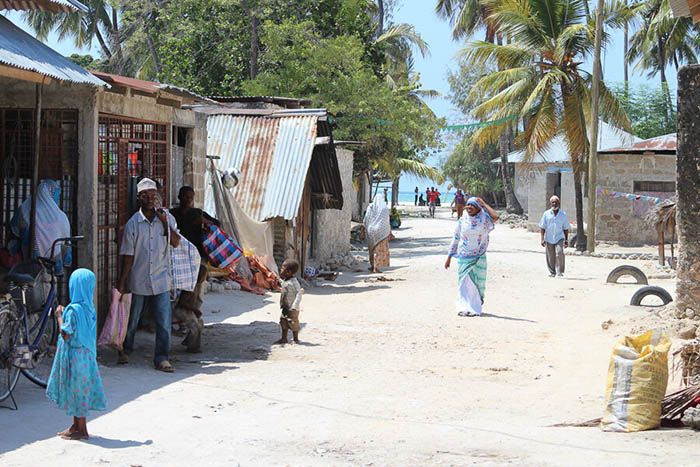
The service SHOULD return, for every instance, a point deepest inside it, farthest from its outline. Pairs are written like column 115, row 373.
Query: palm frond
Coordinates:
column 404, row 32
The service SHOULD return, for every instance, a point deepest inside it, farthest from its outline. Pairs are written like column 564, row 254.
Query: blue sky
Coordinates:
column 433, row 68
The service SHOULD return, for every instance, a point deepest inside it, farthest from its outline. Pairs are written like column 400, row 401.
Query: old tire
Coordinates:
column 627, row 270
column 640, row 294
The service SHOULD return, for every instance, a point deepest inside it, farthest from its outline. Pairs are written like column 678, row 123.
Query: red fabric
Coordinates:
column 432, row 195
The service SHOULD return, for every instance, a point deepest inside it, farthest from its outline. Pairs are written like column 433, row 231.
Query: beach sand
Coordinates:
column 387, row 374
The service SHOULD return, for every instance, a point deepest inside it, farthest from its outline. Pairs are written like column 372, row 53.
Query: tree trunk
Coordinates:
column 395, row 191
column 154, row 52
column 578, row 195
column 380, row 17
column 117, row 43
column 664, row 83
column 103, row 44
column 626, row 46
column 512, row 204
column 688, row 187
column 254, row 44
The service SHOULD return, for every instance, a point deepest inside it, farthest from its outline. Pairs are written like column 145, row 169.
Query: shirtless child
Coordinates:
column 290, row 300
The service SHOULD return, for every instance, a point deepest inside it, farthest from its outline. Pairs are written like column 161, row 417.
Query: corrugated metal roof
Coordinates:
column 150, row 86
column 558, row 152
column 55, row 6
column 20, row 50
column 273, row 154
column 665, row 143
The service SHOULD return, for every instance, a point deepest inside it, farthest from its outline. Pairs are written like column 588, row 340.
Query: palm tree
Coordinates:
column 663, row 40
column 102, row 17
column 466, row 16
column 540, row 80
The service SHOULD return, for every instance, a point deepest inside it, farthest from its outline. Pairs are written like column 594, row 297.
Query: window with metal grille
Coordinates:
column 58, row 161
column 128, row 150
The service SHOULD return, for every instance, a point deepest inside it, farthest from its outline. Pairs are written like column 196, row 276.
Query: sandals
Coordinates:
column 165, row 367
column 123, row 359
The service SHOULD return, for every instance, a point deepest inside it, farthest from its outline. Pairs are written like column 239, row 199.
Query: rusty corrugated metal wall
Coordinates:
column 273, row 155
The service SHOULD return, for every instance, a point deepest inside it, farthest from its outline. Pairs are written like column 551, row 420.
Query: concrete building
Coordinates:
column 645, row 168
column 550, row 173
column 291, row 176
column 98, row 136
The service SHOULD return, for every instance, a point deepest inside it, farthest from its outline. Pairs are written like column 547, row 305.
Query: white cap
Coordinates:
column 146, row 184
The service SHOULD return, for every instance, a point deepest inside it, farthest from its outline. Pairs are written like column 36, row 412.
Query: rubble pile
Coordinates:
column 347, row 263
column 513, row 220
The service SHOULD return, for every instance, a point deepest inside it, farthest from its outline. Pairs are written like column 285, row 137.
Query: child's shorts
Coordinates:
column 289, row 319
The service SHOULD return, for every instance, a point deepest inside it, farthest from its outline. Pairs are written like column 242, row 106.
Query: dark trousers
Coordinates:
column 555, row 256
column 415, row 203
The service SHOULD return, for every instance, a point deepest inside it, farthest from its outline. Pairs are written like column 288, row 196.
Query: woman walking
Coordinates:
column 376, row 225
column 469, row 246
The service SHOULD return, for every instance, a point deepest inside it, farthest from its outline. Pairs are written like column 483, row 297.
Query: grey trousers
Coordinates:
column 555, row 256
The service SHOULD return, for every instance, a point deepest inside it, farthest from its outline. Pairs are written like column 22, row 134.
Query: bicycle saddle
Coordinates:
column 20, row 279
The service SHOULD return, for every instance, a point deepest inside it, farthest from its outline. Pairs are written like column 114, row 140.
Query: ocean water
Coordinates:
column 408, row 197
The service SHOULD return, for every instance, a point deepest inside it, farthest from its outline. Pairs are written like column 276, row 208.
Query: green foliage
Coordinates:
column 469, row 167
column 83, row 61
column 463, row 80
column 647, row 108
column 205, row 45
column 299, row 62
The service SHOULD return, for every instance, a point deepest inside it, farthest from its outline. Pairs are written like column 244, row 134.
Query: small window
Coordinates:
column 656, row 187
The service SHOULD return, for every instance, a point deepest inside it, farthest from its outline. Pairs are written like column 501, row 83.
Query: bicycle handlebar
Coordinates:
column 68, row 240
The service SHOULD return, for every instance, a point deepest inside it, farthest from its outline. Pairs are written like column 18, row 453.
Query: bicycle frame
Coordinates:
column 49, row 307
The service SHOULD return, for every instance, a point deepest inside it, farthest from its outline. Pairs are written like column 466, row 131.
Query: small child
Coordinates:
column 75, row 383
column 290, row 300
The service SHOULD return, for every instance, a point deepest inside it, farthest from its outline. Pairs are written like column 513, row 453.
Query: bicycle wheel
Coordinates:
column 46, row 347
column 9, row 327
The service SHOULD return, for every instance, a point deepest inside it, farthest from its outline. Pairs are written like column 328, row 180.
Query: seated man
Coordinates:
column 192, row 223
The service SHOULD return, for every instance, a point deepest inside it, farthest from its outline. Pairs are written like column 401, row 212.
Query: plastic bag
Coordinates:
column 637, row 379
column 114, row 329
column 184, row 264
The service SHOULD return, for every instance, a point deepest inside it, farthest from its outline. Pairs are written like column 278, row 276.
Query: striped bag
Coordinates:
column 221, row 249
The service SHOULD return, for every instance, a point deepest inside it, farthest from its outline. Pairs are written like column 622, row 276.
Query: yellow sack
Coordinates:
column 637, row 379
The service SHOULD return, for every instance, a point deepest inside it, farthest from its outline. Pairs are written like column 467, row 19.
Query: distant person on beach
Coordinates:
column 471, row 239
column 421, row 200
column 376, row 226
column 432, row 200
column 386, row 195
column 554, row 236
column 415, row 203
column 290, row 301
column 458, row 202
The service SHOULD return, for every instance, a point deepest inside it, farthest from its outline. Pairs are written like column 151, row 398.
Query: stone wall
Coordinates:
column 196, row 164
column 538, row 191
column 688, row 188
column 615, row 219
column 55, row 95
column 331, row 227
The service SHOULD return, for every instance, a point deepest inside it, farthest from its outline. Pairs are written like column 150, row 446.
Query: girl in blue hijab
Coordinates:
column 75, row 383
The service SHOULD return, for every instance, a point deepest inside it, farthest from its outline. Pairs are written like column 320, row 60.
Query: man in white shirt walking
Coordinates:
column 554, row 233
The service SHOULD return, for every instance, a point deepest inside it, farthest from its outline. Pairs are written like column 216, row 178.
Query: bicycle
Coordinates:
column 28, row 336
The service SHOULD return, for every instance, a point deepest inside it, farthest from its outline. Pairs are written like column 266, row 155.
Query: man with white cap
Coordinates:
column 554, row 233
column 145, row 250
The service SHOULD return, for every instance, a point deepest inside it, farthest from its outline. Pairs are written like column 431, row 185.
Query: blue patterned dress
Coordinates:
column 75, row 383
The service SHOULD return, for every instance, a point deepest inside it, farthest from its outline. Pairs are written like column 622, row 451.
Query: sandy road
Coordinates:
column 387, row 374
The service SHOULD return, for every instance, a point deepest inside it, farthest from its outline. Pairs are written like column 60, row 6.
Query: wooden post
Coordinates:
column 593, row 153
column 35, row 169
column 662, row 241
